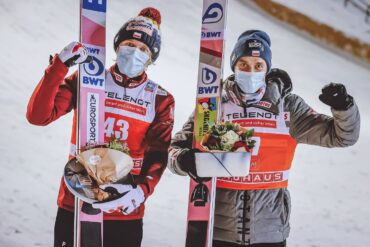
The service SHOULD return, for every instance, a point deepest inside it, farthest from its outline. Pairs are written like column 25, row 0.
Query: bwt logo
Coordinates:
column 207, row 90
column 93, row 50
column 213, row 14
column 211, row 35
column 208, row 76
column 92, row 81
column 95, row 68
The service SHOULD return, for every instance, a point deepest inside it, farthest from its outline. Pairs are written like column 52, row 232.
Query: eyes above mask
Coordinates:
column 250, row 82
column 131, row 61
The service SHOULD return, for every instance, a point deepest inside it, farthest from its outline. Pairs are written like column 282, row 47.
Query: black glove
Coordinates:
column 282, row 77
column 335, row 95
column 187, row 163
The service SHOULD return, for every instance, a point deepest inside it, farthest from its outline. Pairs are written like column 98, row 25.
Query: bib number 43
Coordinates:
column 117, row 128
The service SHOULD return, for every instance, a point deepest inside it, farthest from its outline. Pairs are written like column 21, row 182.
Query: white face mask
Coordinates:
column 250, row 82
column 131, row 61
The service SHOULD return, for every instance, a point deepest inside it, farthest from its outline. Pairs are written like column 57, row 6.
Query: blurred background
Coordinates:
column 315, row 41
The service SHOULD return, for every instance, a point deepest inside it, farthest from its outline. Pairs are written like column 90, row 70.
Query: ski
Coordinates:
column 208, row 110
column 90, row 117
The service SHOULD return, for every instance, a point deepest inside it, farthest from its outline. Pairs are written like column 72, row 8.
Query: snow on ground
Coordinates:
column 330, row 187
column 348, row 20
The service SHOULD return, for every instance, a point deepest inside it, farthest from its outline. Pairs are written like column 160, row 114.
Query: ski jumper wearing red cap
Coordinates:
column 137, row 110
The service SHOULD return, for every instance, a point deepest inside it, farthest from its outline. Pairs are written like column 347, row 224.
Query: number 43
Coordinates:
column 122, row 125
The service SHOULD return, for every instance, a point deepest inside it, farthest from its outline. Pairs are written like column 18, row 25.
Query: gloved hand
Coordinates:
column 128, row 200
column 335, row 95
column 187, row 163
column 282, row 77
column 73, row 54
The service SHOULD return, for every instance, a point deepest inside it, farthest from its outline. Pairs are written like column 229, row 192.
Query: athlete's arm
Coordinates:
column 158, row 139
column 181, row 143
column 307, row 126
column 54, row 95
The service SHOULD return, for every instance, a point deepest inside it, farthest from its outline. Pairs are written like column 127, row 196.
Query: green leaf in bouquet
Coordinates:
column 226, row 147
column 249, row 133
column 229, row 126
column 118, row 145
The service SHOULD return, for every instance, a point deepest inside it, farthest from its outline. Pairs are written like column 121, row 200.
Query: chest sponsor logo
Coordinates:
column 127, row 98
column 252, row 115
column 125, row 106
column 257, row 123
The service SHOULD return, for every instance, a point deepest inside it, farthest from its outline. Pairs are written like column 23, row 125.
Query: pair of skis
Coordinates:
column 208, row 110
column 88, row 228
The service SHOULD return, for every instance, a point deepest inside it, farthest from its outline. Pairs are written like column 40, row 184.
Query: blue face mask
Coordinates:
column 249, row 82
column 131, row 61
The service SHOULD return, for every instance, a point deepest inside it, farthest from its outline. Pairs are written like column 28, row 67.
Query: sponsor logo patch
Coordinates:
column 93, row 113
column 211, row 35
column 126, row 106
column 207, row 104
column 162, row 92
column 255, row 44
column 92, row 81
column 208, row 90
column 95, row 68
column 264, row 104
column 213, row 14
column 149, row 87
column 208, row 76
column 118, row 77
column 140, row 25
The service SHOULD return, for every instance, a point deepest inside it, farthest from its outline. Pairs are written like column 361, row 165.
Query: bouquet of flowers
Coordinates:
column 228, row 137
column 108, row 163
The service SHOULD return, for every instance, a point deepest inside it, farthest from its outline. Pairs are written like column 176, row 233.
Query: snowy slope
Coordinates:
column 330, row 187
column 348, row 20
